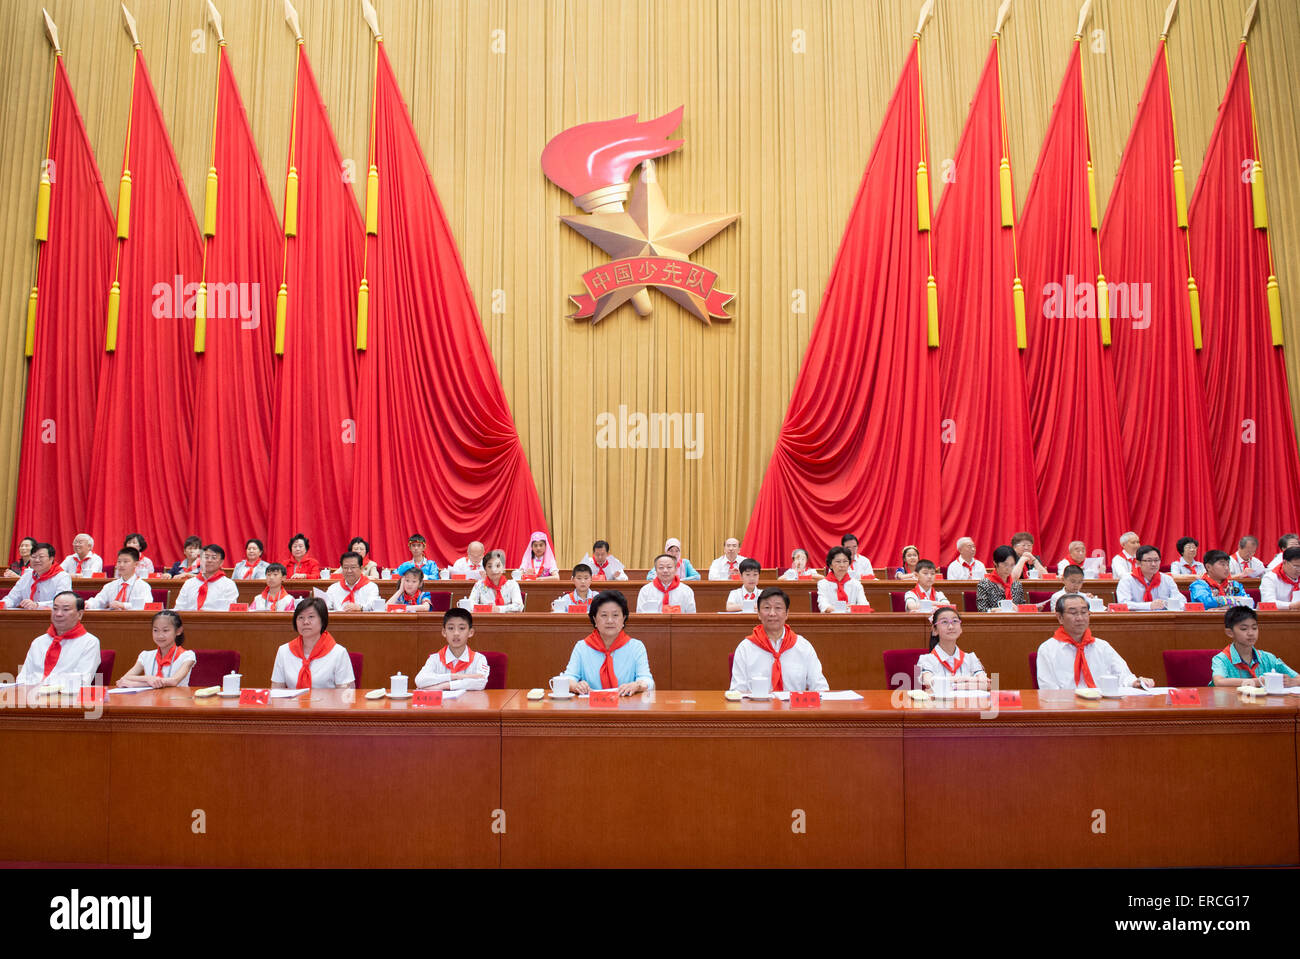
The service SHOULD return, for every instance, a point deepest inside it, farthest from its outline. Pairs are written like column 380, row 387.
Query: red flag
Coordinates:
column 437, row 448
column 1162, row 412
column 76, row 268
column 860, row 435
column 987, row 486
column 141, row 464
column 314, row 438
column 232, row 432
column 1252, row 435
column 1077, row 461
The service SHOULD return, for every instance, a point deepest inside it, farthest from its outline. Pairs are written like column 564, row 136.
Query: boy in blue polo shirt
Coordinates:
column 1240, row 663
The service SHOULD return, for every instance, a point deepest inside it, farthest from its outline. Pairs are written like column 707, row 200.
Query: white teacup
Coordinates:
column 1006, row 606
column 1109, row 684
column 749, row 605
column 560, row 685
column 70, row 684
column 942, row 686
column 1095, row 605
column 925, row 606
column 841, row 606
column 397, row 684
column 230, row 682
column 760, row 686
column 1273, row 682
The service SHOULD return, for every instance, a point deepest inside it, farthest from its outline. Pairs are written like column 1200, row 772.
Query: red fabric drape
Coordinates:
column 1162, row 415
column 141, row 463
column 1077, row 462
column 437, row 450
column 987, row 472
column 76, row 268
column 1252, row 435
column 314, row 435
column 859, row 448
column 232, row 432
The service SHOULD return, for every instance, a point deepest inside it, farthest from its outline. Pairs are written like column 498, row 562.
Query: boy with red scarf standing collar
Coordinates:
column 40, row 582
column 455, row 666
column 65, row 649
column 666, row 589
column 1074, row 658
column 774, row 649
column 1146, row 588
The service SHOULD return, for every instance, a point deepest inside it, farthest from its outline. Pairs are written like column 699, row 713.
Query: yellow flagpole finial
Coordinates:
column 1103, row 308
column 29, row 342
column 210, row 204
column 1018, row 305
column 922, row 197
column 43, row 206
column 372, row 201
column 124, row 206
column 1092, row 198
column 363, row 313
column 1194, row 304
column 1275, row 309
column 1008, row 197
column 201, row 319
column 1180, row 194
column 932, row 312
column 291, row 203
column 110, row 331
column 281, row 314
column 1257, row 201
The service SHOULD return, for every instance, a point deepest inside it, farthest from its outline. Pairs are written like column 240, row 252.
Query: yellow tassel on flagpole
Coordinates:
column 1275, row 309
column 110, row 336
column 281, row 313
column 1008, row 198
column 291, row 203
column 1257, row 196
column 43, row 208
column 1018, row 302
column 201, row 319
column 363, row 313
column 124, row 206
column 1180, row 194
column 922, row 197
column 1194, row 301
column 210, row 204
column 1092, row 197
column 1103, row 308
column 372, row 201
column 30, row 342
column 932, row 311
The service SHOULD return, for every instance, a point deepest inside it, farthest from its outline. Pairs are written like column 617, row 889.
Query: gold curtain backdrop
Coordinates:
column 778, row 135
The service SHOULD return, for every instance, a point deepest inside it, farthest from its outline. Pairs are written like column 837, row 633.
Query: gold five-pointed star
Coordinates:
column 649, row 229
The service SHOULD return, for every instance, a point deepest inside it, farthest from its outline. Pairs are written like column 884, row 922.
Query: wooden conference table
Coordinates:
column 664, row 779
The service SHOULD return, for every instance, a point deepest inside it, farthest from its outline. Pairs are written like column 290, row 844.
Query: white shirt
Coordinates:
column 613, row 568
column 568, row 599
column 1130, row 591
column 1029, row 571
column 931, row 663
column 1179, row 568
column 432, row 673
column 259, row 569
column 651, row 600
column 144, row 567
column 1251, row 567
column 284, row 604
column 719, row 568
column 1273, row 589
column 337, row 594
column 138, row 593
column 1051, row 604
column 1091, row 566
column 828, row 594
column 741, row 595
column 1275, row 562
column 465, row 567
column 45, row 592
column 957, row 571
column 149, row 660
column 912, row 598
column 861, row 567
column 79, row 657
column 1121, row 564
column 327, row 672
column 791, row 574
column 93, row 563
column 801, row 670
column 1056, row 664
column 221, row 593
column 482, row 595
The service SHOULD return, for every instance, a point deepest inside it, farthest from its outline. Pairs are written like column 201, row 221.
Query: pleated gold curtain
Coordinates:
column 783, row 98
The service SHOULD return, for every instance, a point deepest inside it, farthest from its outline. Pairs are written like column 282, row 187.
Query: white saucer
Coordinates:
column 555, row 695
column 406, row 695
column 757, row 697
column 1285, row 691
column 1119, row 695
column 225, row 695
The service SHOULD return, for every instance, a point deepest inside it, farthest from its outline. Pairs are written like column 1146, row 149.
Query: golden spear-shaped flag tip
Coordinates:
column 1083, row 17
column 130, row 26
column 1250, row 20
column 291, row 18
column 1002, row 17
column 1169, row 19
column 927, row 12
column 52, row 32
column 214, row 18
column 372, row 18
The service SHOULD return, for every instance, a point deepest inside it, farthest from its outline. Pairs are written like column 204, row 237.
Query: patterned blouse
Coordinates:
column 988, row 594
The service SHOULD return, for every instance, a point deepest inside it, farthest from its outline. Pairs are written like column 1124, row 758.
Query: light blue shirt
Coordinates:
column 630, row 665
column 1227, row 665
column 429, row 569
column 1200, row 592
column 688, row 571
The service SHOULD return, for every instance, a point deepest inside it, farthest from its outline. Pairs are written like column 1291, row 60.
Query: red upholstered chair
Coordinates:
column 1038, row 595
column 86, row 593
column 902, row 661
column 357, row 660
column 497, row 663
column 159, row 595
column 1033, row 669
column 1188, row 667
column 211, row 664
column 812, row 600
column 969, row 601
column 440, row 602
column 1254, row 594
column 107, row 658
column 898, row 602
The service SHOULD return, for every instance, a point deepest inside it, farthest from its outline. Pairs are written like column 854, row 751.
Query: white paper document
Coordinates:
column 842, row 695
column 287, row 693
column 128, row 689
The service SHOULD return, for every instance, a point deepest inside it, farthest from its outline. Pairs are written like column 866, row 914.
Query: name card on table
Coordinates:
column 152, row 606
column 254, row 697
column 460, row 576
column 1118, row 607
column 238, row 607
column 603, row 698
column 527, row 576
column 100, row 575
column 735, row 576
column 92, row 694
column 860, row 608
column 672, row 609
column 1105, row 575
column 482, row 607
column 427, row 697
column 809, row 700
column 1194, row 607
column 396, row 608
column 1009, row 699
column 578, row 608
column 1189, row 696
column 1267, row 606
column 1026, row 608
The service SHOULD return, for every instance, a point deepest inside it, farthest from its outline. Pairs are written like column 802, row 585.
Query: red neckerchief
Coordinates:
column 56, row 570
column 1005, row 584
column 173, row 654
column 760, row 639
column 487, row 581
column 840, row 593
column 249, row 567
column 1148, row 588
column 271, row 601
column 203, row 587
column 351, row 597
column 608, row 678
column 1294, row 583
column 1244, row 563
column 956, row 662
column 600, row 569
column 322, row 648
column 56, row 646
column 1080, row 663
column 123, row 592
column 918, row 591
column 80, row 562
column 456, row 667
column 1218, row 589
column 1250, row 668
column 660, row 586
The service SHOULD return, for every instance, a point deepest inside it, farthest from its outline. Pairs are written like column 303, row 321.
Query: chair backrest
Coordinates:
column 812, row 599
column 1253, row 594
column 731, row 664
column 900, row 667
column 898, row 602
column 1038, row 595
column 159, row 594
column 211, row 664
column 970, row 601
column 1033, row 669
column 107, row 658
column 497, row 664
column 1188, row 667
column 357, row 660
column 439, row 601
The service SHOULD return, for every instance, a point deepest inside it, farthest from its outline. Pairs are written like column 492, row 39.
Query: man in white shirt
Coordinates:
column 211, row 589
column 1028, row 566
column 455, row 666
column 1122, row 563
column 1244, row 564
column 471, row 564
column 966, row 566
column 859, row 565
column 1285, row 542
column 127, row 590
column 665, row 589
column 1077, row 555
column 353, row 593
column 83, row 561
column 923, row 597
column 65, row 649
column 40, row 582
column 773, row 651
column 1282, row 585
column 1146, row 588
column 1073, row 657
column 727, row 566
column 604, row 567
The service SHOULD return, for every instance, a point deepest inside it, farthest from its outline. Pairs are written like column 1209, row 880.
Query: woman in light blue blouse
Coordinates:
column 608, row 658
